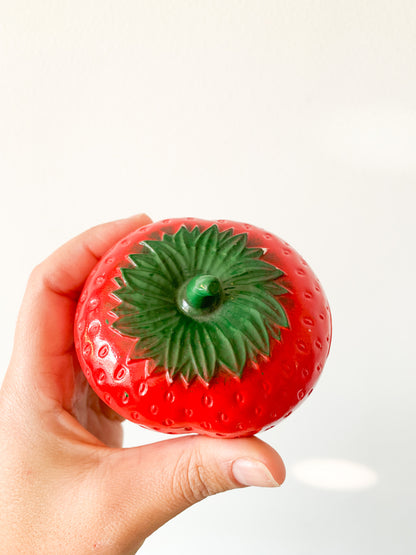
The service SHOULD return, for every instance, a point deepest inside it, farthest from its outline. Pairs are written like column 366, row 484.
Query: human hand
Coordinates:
column 67, row 485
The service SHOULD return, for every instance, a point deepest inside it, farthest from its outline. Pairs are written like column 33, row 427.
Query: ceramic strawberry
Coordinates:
column 213, row 327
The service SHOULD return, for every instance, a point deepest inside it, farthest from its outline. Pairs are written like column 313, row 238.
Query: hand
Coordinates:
column 66, row 484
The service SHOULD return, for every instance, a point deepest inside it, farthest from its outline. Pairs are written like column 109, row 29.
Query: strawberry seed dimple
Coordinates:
column 301, row 394
column 94, row 328
column 120, row 373
column 207, row 400
column 170, row 397
column 266, row 387
column 239, row 398
column 301, row 346
column 103, row 351
column 286, row 370
column 143, row 388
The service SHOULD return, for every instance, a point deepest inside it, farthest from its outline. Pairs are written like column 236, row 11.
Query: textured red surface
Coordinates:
column 228, row 406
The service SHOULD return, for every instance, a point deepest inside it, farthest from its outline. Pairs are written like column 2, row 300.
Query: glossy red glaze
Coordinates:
column 228, row 406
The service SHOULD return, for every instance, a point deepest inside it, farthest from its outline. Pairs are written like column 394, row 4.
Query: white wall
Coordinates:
column 299, row 117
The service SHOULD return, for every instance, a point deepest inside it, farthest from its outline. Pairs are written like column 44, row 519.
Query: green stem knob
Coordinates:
column 200, row 295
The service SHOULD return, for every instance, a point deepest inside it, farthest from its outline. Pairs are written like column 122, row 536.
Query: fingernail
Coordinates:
column 250, row 472
column 142, row 218
column 142, row 215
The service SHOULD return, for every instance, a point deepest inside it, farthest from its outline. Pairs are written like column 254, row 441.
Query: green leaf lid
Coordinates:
column 200, row 301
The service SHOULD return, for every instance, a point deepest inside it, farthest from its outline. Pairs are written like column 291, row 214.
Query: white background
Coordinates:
column 299, row 117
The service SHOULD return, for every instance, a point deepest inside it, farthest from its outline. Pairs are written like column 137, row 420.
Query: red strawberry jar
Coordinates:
column 211, row 327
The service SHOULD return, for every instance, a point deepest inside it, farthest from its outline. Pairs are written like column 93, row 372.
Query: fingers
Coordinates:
column 165, row 478
column 65, row 271
column 44, row 333
column 48, row 305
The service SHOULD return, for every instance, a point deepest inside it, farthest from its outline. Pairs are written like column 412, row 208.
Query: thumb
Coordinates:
column 165, row 478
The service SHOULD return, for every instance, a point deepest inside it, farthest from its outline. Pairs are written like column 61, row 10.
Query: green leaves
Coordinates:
column 240, row 329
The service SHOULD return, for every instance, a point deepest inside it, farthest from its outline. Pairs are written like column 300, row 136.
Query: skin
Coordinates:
column 66, row 483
